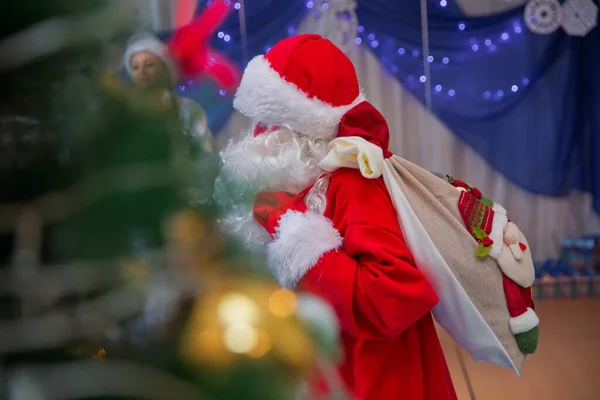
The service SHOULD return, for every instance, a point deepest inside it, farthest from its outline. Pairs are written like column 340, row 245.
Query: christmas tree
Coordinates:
column 116, row 281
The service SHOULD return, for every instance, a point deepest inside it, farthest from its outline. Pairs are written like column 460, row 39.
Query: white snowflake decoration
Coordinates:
column 543, row 16
column 335, row 20
column 579, row 17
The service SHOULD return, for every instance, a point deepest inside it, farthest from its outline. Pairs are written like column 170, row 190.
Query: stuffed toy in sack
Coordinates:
column 386, row 243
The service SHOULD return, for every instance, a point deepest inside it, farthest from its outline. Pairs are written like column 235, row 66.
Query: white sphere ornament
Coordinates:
column 543, row 16
column 579, row 17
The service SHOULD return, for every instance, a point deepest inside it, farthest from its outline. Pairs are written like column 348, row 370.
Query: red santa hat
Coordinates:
column 152, row 45
column 304, row 81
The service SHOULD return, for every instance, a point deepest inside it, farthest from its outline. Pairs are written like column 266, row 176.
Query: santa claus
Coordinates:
column 335, row 234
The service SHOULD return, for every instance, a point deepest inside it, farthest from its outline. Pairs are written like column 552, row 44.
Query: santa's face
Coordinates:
column 275, row 158
column 148, row 71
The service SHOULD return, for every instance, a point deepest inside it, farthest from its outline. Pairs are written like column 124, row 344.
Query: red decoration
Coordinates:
column 487, row 242
column 184, row 12
column 193, row 54
column 522, row 246
column 460, row 184
column 475, row 192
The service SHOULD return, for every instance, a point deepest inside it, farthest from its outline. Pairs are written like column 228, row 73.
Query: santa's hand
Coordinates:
column 515, row 258
column 300, row 237
column 270, row 206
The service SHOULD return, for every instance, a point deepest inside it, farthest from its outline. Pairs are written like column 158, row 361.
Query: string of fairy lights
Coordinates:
column 474, row 45
column 487, row 45
column 316, row 9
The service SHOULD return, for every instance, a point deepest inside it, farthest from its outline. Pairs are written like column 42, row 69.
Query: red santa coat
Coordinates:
column 355, row 257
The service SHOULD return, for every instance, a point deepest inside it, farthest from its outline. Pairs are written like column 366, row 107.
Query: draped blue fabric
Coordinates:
column 589, row 145
column 523, row 101
column 528, row 103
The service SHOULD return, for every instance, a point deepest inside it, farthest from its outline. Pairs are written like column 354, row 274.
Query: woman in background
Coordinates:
column 151, row 68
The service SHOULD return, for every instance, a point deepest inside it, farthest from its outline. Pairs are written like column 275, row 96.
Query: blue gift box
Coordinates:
column 578, row 253
column 575, row 274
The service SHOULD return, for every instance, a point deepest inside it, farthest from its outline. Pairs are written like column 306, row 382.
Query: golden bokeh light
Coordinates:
column 243, row 321
column 205, row 346
column 296, row 347
column 283, row 303
column 186, row 228
column 263, row 345
column 235, row 308
column 240, row 338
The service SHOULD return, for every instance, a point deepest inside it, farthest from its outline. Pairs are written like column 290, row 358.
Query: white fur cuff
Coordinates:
column 524, row 322
column 302, row 239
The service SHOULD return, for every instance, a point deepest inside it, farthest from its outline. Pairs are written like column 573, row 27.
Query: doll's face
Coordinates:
column 148, row 71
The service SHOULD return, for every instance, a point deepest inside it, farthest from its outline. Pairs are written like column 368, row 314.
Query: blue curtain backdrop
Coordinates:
column 528, row 103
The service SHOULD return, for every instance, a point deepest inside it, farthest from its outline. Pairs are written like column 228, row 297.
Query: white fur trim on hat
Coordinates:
column 265, row 96
column 154, row 46
column 302, row 239
column 524, row 322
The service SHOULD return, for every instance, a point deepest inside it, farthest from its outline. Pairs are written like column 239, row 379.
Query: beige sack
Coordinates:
column 472, row 304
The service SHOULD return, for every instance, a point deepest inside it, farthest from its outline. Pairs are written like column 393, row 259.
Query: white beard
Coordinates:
column 282, row 160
